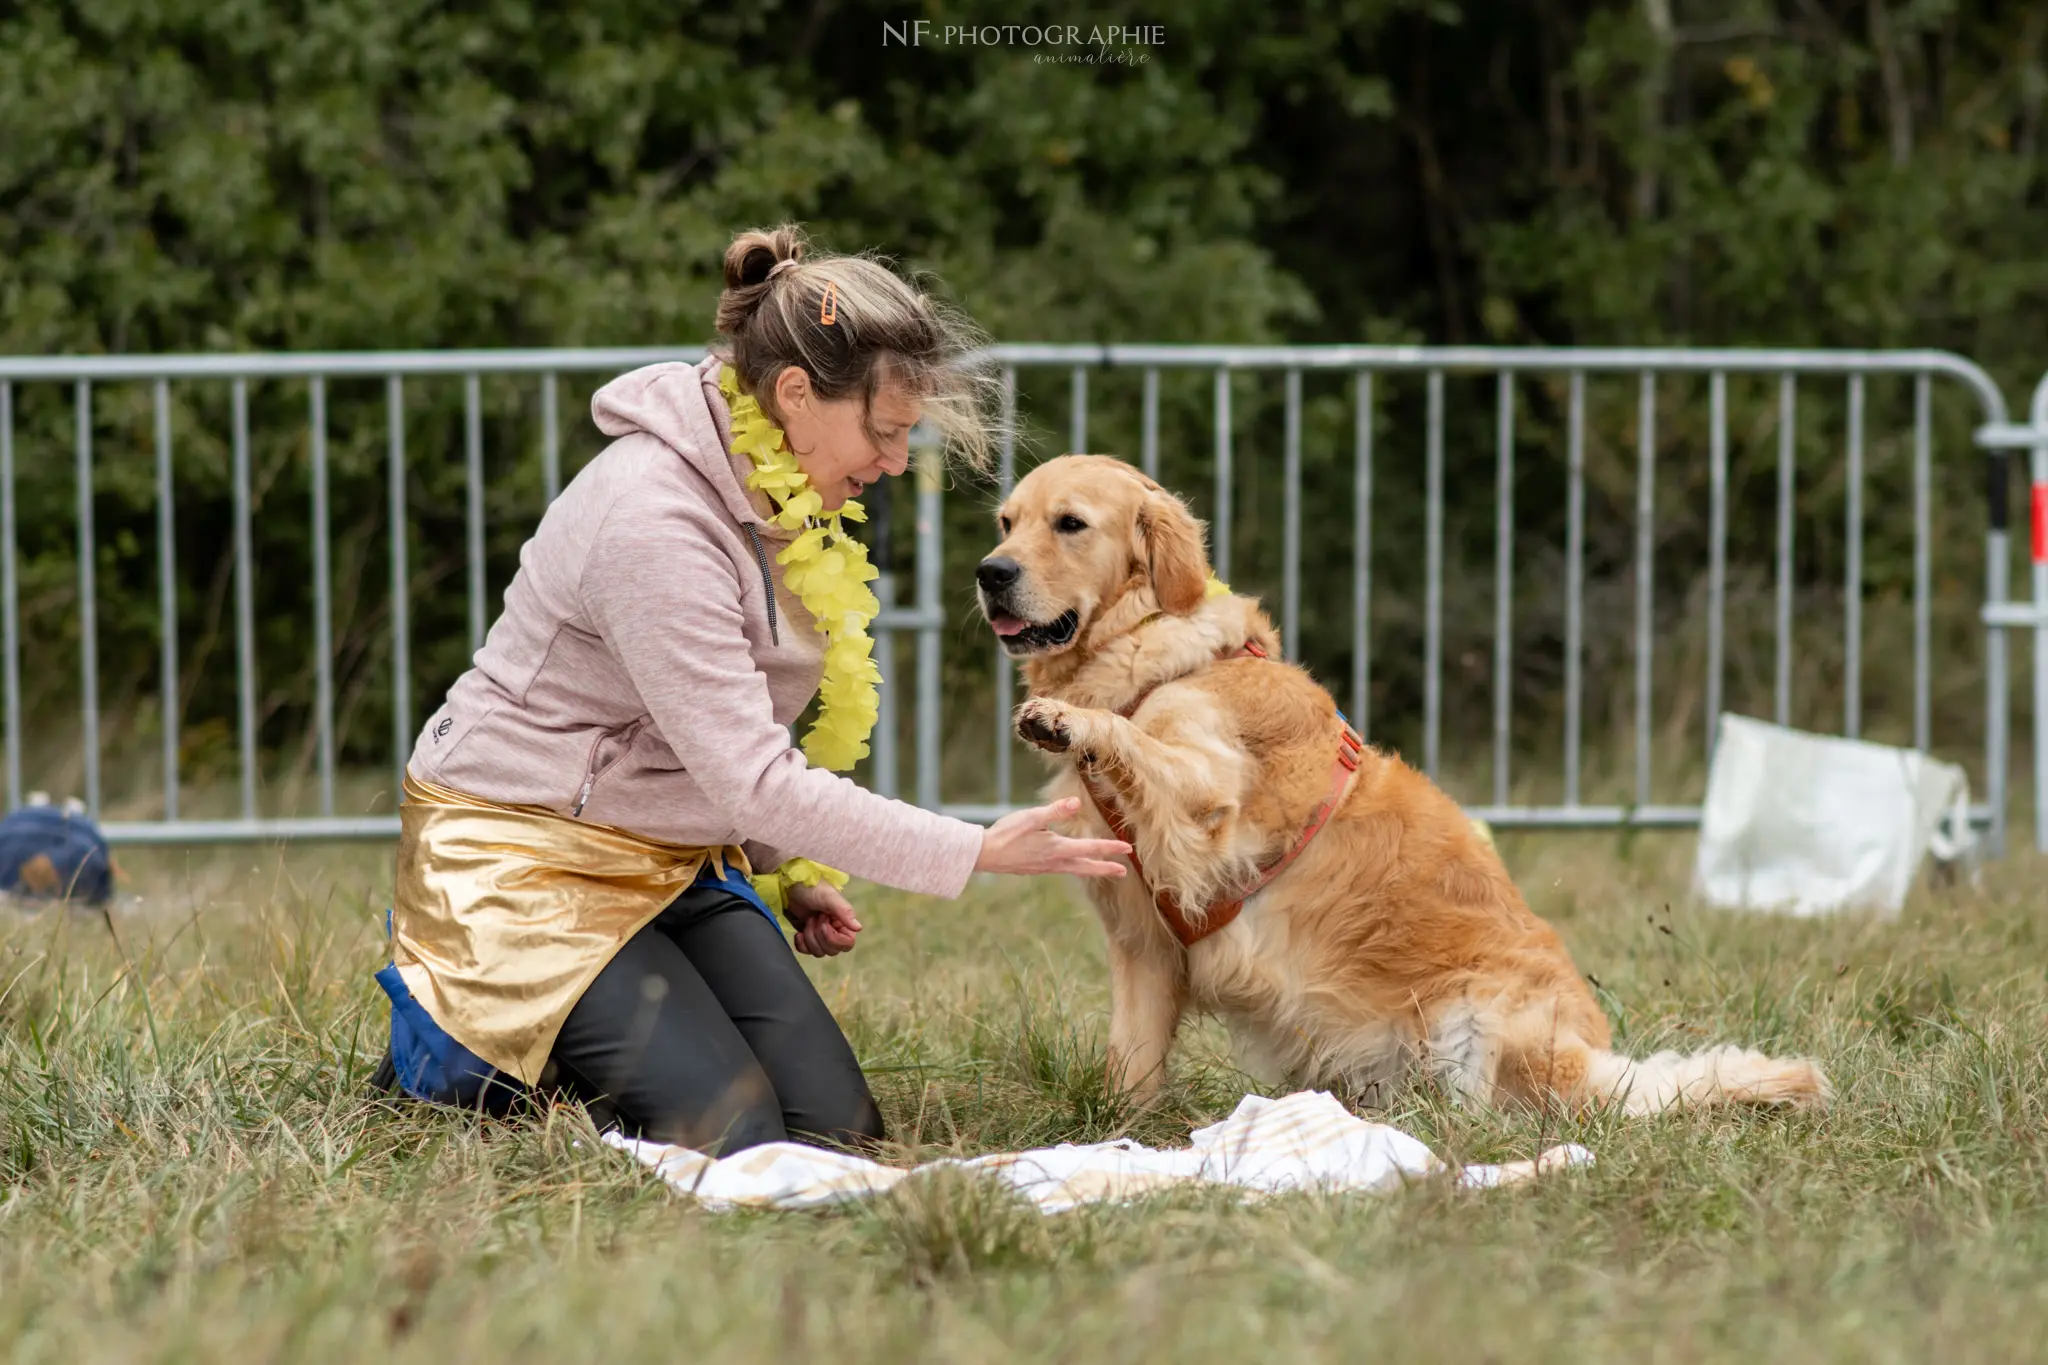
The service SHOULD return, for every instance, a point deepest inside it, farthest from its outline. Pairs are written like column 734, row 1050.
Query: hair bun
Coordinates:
column 754, row 267
column 748, row 262
column 753, row 254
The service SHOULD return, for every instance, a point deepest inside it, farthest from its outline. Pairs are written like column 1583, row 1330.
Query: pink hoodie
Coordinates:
column 644, row 676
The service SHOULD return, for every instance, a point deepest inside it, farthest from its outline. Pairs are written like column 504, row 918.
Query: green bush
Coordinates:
column 336, row 174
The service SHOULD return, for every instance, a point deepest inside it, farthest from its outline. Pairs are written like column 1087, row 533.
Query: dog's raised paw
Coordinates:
column 1043, row 727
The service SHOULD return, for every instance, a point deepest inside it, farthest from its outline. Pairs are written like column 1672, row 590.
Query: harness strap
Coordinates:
column 1350, row 746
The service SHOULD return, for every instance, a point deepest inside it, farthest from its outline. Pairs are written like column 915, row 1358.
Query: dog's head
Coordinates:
column 1080, row 534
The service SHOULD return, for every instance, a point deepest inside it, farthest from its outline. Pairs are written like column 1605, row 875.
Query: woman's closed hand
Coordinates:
column 1024, row 844
column 824, row 920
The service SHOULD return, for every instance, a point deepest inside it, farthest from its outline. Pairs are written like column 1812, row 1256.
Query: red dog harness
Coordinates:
column 1349, row 748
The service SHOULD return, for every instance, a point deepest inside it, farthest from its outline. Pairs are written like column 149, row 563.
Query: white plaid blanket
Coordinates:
column 1306, row 1141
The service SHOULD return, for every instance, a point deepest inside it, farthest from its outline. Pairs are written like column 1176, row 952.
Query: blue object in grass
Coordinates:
column 55, row 853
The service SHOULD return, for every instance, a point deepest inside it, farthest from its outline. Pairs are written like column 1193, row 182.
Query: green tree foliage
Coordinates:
column 338, row 174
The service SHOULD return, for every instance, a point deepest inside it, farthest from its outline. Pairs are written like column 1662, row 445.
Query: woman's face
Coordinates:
column 841, row 449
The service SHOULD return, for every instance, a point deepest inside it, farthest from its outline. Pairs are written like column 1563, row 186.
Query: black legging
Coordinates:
column 704, row 1031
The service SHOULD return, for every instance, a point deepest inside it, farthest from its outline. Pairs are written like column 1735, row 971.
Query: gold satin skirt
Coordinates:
column 503, row 915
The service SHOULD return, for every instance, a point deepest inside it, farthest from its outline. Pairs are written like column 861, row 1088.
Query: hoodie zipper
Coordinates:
column 591, row 772
column 767, row 583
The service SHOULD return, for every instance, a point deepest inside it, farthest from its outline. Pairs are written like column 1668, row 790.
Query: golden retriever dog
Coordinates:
column 1392, row 942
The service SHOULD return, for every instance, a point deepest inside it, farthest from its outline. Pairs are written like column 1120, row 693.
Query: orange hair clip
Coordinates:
column 828, row 307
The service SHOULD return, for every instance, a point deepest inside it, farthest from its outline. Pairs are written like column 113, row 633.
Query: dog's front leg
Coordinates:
column 1147, row 969
column 1147, row 995
column 1162, row 770
column 1176, row 788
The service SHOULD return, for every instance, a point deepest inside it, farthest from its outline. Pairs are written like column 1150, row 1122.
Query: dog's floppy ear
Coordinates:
column 1173, row 552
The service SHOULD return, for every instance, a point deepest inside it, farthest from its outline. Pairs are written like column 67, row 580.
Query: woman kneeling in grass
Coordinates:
column 577, row 905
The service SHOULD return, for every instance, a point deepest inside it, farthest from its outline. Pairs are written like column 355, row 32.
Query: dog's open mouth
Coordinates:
column 1024, row 637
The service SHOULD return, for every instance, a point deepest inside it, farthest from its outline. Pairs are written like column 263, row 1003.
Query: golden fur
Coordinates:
column 1396, row 941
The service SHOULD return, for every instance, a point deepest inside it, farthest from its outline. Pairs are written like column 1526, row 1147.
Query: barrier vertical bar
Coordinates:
column 1717, row 546
column 1852, row 587
column 10, row 596
column 1433, row 592
column 1503, row 576
column 2038, row 526
column 473, row 478
column 323, row 599
column 930, row 630
column 1788, row 445
column 1361, row 555
column 1077, row 410
column 1575, row 586
column 1997, row 682
column 167, row 596
column 1006, row 672
column 1923, row 562
column 1148, row 438
column 882, row 754
column 401, row 597
column 1646, row 572
column 245, row 602
column 1219, row 551
column 1290, row 523
column 550, row 439
column 88, row 600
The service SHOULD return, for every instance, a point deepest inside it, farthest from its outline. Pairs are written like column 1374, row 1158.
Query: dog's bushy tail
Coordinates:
column 1717, row 1075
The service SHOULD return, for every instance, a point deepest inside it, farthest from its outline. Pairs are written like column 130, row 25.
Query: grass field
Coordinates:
column 193, row 1171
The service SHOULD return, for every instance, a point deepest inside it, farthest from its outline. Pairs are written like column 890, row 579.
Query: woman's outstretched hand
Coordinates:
column 824, row 920
column 1023, row 845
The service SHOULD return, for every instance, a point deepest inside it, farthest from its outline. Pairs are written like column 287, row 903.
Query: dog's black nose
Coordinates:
column 996, row 574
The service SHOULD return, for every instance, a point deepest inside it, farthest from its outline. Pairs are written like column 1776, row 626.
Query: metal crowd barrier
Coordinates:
column 924, row 615
column 1434, row 363
column 316, row 370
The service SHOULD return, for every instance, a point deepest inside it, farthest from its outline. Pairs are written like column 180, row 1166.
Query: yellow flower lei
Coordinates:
column 828, row 570
column 774, row 887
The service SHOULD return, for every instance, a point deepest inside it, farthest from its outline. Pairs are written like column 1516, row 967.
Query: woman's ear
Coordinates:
column 1174, row 552
column 792, row 391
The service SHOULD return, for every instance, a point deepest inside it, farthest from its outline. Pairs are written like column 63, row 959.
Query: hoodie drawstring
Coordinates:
column 761, row 557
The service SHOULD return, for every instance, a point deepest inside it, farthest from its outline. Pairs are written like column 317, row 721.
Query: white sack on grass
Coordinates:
column 1307, row 1141
column 1809, row 824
